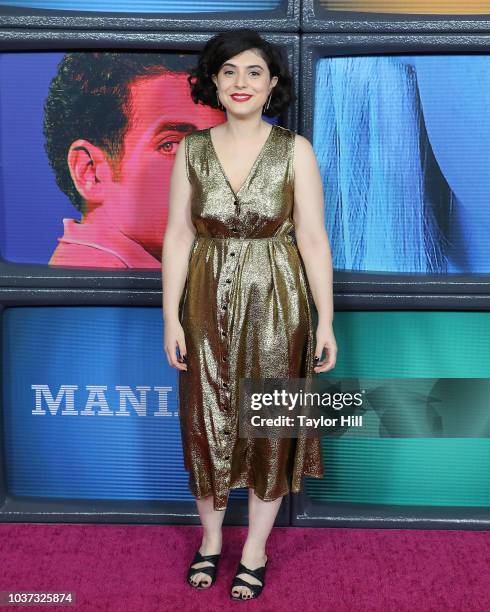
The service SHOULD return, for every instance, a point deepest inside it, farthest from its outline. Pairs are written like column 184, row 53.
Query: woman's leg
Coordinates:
column 211, row 521
column 261, row 516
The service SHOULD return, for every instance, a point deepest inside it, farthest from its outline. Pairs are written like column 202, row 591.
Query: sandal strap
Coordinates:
column 255, row 588
column 256, row 573
column 209, row 570
column 198, row 558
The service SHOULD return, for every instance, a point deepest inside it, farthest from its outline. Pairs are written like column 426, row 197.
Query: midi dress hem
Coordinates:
column 250, row 485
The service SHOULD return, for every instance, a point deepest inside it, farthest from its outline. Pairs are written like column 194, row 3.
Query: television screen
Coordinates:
column 63, row 116
column 67, row 119
column 424, row 437
column 148, row 6
column 405, row 7
column 403, row 144
column 90, row 405
column 152, row 15
column 394, row 15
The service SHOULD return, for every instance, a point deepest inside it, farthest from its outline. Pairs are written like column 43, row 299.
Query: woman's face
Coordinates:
column 246, row 73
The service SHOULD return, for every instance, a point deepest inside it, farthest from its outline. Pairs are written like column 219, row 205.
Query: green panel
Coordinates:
column 405, row 471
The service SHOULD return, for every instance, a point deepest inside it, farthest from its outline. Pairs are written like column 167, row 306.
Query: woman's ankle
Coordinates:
column 253, row 549
column 213, row 540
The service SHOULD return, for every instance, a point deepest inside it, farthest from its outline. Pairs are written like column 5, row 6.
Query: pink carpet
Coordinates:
column 142, row 567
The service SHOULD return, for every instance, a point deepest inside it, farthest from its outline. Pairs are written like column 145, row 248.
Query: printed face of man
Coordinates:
column 162, row 114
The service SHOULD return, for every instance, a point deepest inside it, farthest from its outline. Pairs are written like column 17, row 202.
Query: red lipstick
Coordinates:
column 240, row 97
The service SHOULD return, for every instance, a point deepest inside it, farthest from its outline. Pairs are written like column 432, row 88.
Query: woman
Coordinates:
column 236, row 297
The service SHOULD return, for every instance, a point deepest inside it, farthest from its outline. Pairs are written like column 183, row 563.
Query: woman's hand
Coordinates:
column 325, row 339
column 174, row 338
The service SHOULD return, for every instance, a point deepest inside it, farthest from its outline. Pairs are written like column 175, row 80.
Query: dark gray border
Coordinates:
column 285, row 18
column 116, row 291
column 307, row 513
column 316, row 18
column 46, row 510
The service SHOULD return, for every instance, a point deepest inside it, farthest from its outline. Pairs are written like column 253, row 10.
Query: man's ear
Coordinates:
column 89, row 170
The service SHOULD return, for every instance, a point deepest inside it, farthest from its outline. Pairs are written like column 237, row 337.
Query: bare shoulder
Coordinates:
column 302, row 143
column 304, row 154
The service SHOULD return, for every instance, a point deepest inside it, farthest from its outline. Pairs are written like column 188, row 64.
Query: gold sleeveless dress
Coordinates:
column 246, row 313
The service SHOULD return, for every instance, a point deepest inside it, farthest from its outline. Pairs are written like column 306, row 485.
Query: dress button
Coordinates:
column 227, row 457
column 228, row 280
column 225, row 358
column 235, row 202
column 234, row 229
column 227, row 433
column 223, row 333
column 232, row 254
column 224, row 307
column 225, row 384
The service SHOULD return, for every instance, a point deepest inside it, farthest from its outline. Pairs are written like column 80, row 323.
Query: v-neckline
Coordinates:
column 254, row 165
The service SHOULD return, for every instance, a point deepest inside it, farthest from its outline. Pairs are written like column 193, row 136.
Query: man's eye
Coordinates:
column 169, row 146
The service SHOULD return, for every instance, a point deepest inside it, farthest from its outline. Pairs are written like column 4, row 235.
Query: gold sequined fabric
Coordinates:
column 246, row 313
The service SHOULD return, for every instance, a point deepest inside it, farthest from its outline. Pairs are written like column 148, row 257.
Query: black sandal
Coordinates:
column 210, row 570
column 256, row 589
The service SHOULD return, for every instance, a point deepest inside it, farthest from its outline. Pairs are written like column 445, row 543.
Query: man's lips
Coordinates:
column 241, row 97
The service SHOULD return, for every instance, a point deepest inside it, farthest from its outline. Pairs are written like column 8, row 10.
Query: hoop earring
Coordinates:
column 220, row 106
column 268, row 101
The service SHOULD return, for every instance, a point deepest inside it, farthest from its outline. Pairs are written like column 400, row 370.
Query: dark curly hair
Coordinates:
column 89, row 98
column 225, row 45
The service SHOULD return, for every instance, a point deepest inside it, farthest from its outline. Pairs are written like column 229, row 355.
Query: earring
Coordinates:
column 268, row 101
column 220, row 106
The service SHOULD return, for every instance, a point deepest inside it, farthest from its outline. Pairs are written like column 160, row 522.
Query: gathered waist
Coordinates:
column 282, row 238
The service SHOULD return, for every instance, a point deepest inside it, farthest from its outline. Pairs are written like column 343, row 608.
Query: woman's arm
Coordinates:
column 314, row 245
column 177, row 242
